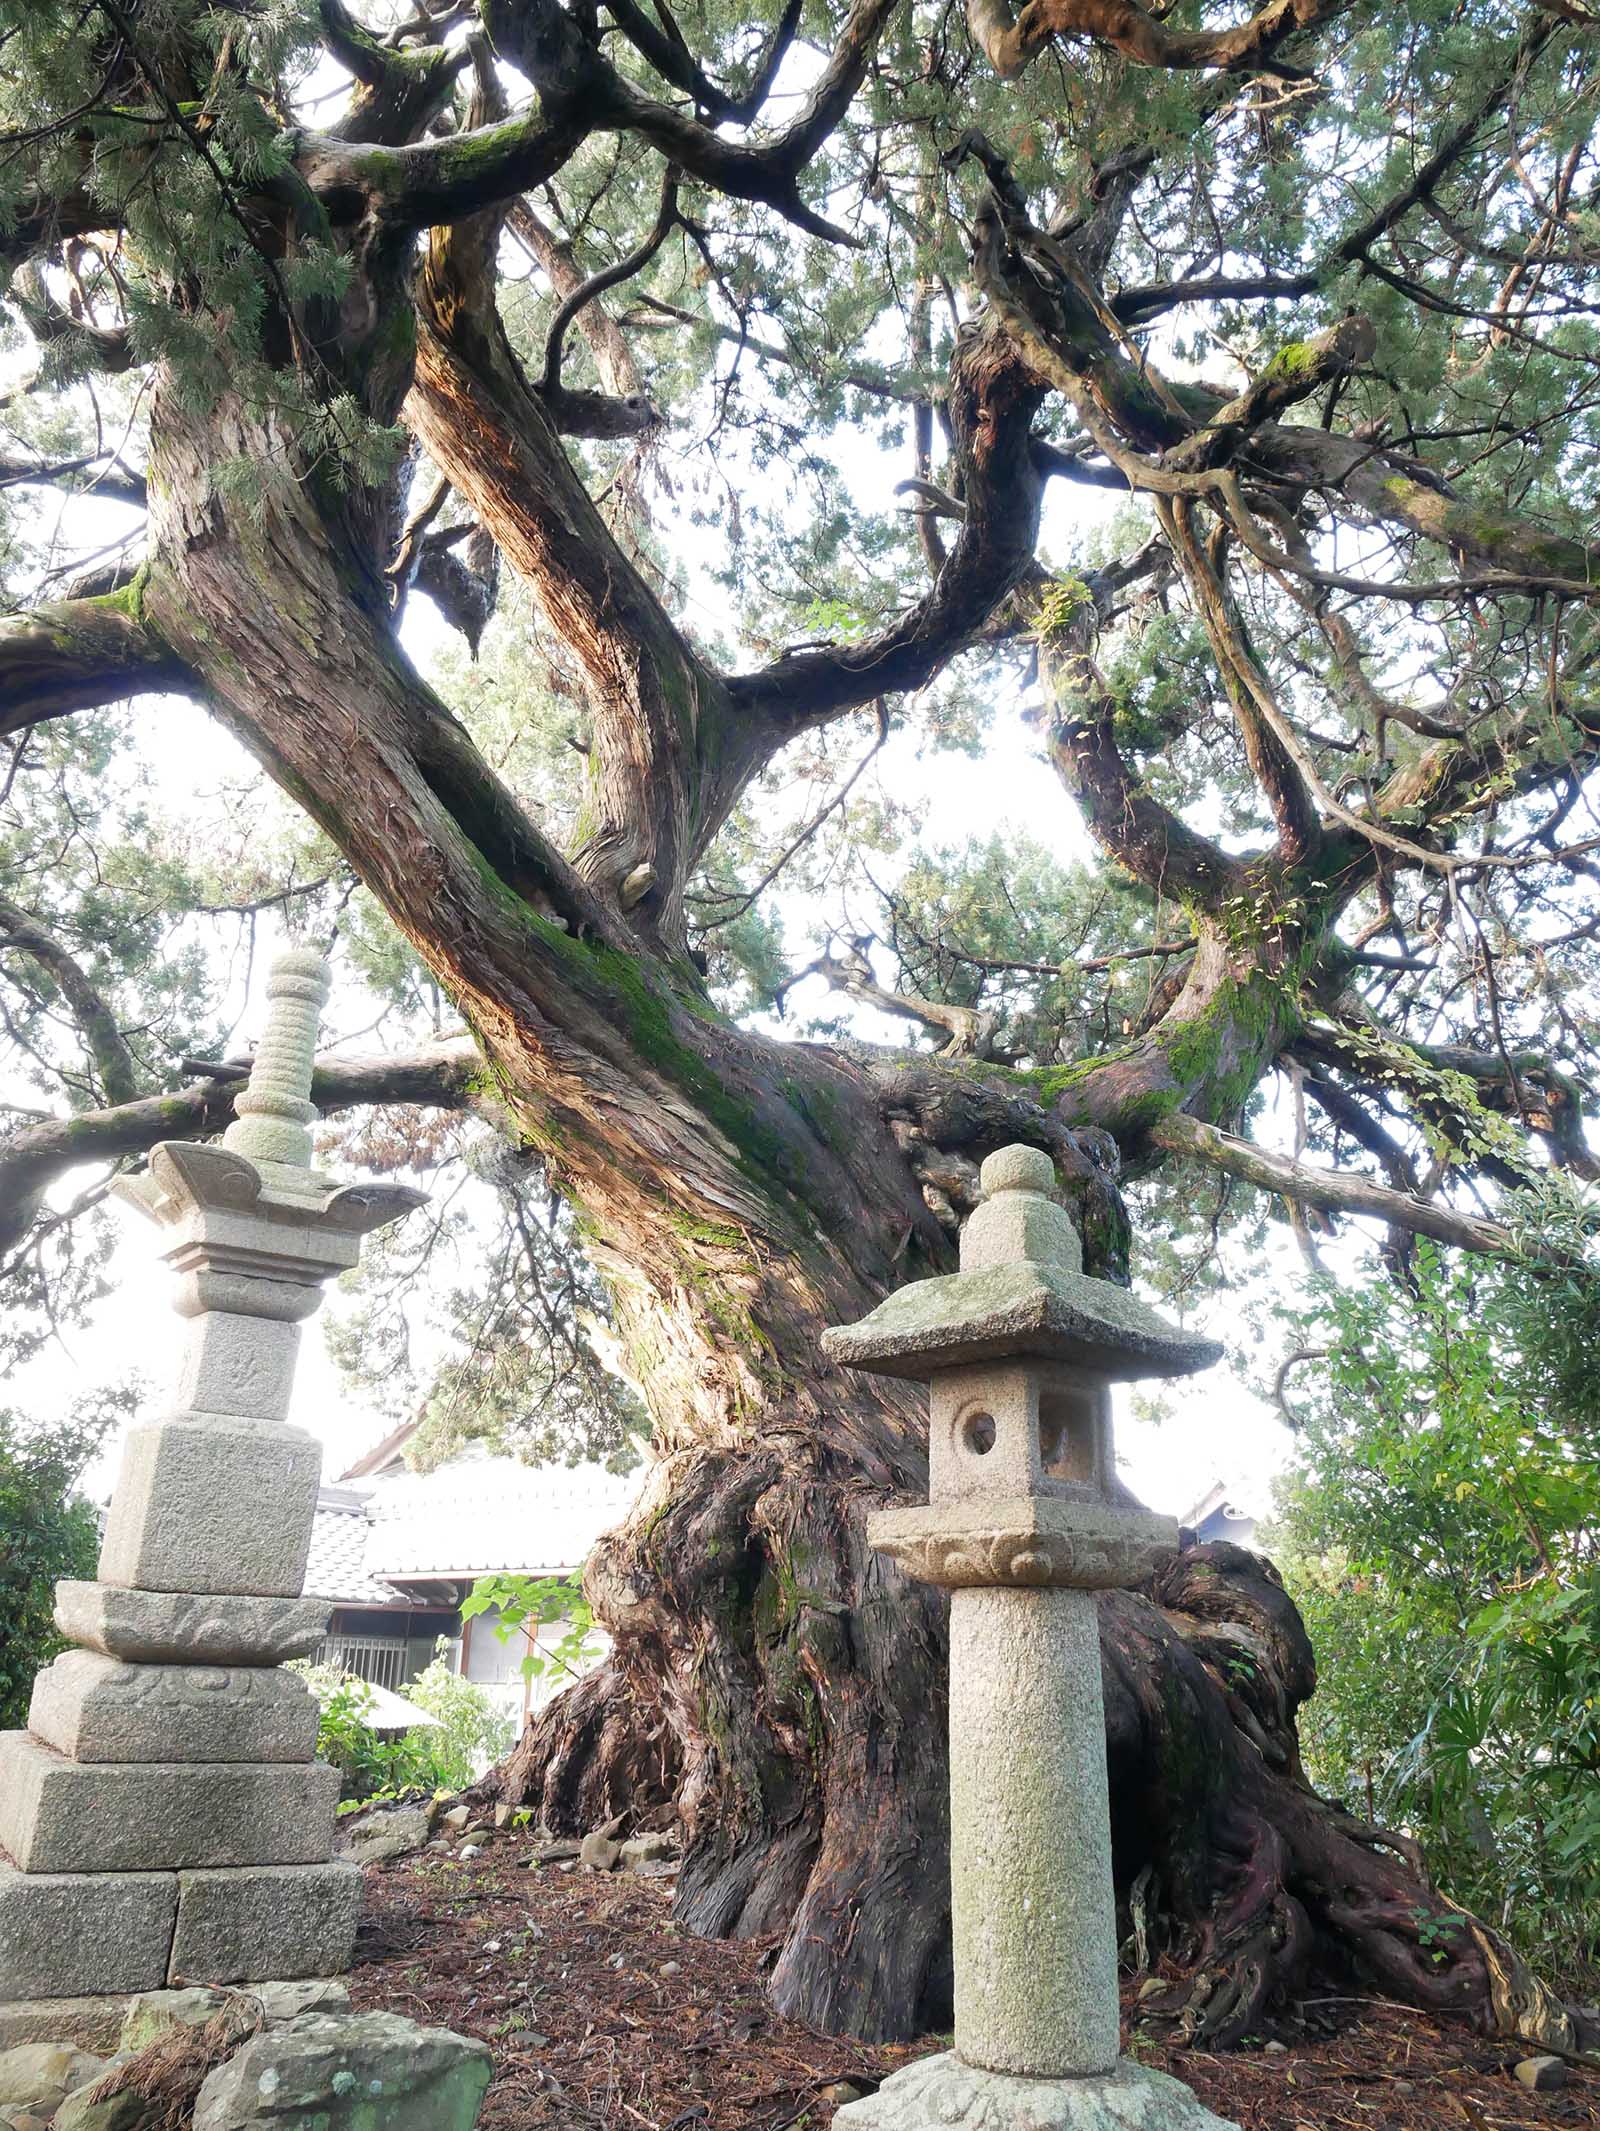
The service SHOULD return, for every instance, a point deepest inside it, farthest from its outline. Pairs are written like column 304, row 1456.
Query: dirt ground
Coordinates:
column 601, row 2013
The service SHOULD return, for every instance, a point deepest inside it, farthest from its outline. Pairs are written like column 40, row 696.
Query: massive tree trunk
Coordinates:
column 786, row 1688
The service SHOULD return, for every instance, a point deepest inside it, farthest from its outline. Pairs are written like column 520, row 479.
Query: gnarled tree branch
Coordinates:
column 77, row 654
column 103, row 1039
column 1010, row 44
column 1332, row 1191
column 446, row 1076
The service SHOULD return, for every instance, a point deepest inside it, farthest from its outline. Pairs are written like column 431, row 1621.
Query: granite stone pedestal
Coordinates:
column 1023, row 1525
column 944, row 2093
column 164, row 1819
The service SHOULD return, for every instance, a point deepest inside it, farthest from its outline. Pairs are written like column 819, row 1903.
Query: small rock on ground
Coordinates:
column 654, row 1849
column 552, row 1853
column 38, row 2076
column 382, row 1836
column 153, row 2012
column 1542, row 2074
column 122, row 2112
column 281, row 2002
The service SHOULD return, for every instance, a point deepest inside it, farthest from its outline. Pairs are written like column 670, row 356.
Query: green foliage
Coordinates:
column 835, row 617
column 171, row 157
column 513, row 1309
column 1062, row 598
column 345, row 1738
column 48, row 1531
column 470, row 1732
column 1440, row 1530
column 1004, row 927
column 527, row 1603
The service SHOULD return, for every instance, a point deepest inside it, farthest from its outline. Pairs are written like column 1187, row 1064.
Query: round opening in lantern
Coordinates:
column 977, row 1433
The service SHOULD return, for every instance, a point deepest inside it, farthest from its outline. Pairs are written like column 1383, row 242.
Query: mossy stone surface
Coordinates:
column 351, row 2072
column 1043, row 1312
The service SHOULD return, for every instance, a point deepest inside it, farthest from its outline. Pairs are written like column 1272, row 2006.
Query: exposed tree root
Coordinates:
column 785, row 1685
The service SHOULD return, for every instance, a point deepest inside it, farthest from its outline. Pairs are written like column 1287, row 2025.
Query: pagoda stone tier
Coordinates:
column 164, row 1817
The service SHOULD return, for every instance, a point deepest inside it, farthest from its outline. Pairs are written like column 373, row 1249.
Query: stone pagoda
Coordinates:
column 164, row 1816
column 1024, row 1523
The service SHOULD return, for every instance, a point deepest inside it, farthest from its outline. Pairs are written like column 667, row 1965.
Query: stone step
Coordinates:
column 95, row 1708
column 266, row 1921
column 188, row 1627
column 213, row 1505
column 86, row 1941
column 58, row 1815
column 76, row 1934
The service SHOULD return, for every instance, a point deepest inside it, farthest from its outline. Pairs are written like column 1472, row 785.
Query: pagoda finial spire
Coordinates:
column 274, row 1114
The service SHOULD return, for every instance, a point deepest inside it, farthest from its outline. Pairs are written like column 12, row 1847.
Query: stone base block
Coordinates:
column 188, row 1627
column 117, row 2022
column 237, row 1358
column 70, row 1934
column 278, row 1920
column 94, row 1708
column 87, row 2023
column 214, row 1506
column 119, row 1816
column 945, row 2092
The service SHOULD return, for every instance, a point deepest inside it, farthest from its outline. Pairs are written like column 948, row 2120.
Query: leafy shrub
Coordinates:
column 526, row 1604
column 1440, row 1530
column 445, row 1756
column 47, row 1531
column 345, row 1739
column 472, row 1730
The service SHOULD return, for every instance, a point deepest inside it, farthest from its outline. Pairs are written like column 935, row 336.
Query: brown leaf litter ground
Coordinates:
column 603, row 2016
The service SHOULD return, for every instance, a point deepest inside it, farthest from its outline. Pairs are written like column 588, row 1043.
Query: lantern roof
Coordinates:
column 1021, row 1295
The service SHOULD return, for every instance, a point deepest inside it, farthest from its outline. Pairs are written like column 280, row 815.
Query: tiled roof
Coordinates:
column 337, row 1566
column 474, row 1517
column 381, row 1454
column 480, row 1514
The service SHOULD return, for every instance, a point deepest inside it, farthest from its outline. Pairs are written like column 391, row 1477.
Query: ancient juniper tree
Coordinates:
column 494, row 299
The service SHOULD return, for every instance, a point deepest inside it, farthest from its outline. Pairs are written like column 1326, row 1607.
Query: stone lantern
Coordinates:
column 1025, row 1522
